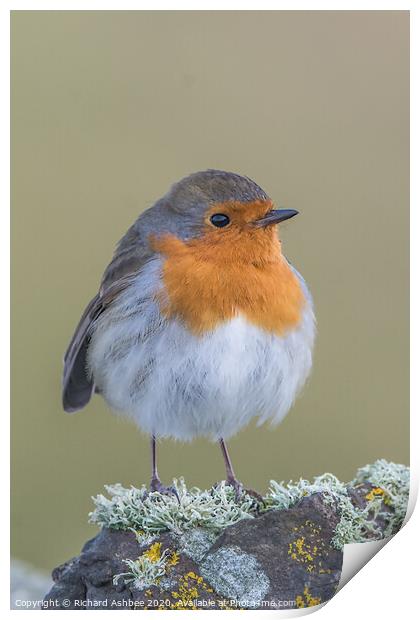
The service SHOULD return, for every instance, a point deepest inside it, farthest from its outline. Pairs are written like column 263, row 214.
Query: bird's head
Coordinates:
column 221, row 254
column 221, row 206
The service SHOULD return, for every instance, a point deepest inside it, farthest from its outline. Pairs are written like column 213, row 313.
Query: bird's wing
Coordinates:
column 130, row 256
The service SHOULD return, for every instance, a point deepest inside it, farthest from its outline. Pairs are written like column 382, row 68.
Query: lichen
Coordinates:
column 307, row 600
column 236, row 576
column 173, row 559
column 196, row 542
column 147, row 570
column 308, row 548
column 150, row 568
column 152, row 513
column 377, row 492
column 356, row 524
column 200, row 516
column 187, row 592
column 154, row 553
column 283, row 495
column 142, row 537
column 394, row 480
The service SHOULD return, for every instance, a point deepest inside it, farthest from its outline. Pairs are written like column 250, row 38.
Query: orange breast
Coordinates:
column 213, row 279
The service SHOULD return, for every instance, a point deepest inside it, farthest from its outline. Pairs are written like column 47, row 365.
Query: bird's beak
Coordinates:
column 275, row 217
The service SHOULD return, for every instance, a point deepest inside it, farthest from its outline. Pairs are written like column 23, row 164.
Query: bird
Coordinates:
column 200, row 324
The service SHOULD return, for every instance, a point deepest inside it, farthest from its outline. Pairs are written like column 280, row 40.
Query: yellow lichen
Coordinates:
column 310, row 600
column 174, row 559
column 378, row 492
column 308, row 548
column 300, row 601
column 154, row 552
column 307, row 600
column 302, row 551
column 375, row 492
column 187, row 594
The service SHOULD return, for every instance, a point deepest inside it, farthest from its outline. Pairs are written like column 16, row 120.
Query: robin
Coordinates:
column 200, row 323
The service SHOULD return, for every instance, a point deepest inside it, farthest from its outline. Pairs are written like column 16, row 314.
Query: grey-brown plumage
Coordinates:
column 179, row 212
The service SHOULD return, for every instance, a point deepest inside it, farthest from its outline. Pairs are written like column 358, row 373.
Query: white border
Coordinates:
column 387, row 585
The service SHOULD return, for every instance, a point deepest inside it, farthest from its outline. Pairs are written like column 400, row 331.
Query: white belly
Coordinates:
column 175, row 384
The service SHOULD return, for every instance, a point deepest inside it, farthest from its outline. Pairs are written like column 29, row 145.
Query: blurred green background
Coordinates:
column 110, row 108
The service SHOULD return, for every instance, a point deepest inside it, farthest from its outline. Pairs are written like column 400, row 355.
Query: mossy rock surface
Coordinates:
column 276, row 559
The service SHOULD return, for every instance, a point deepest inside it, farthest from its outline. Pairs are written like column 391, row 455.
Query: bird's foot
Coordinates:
column 240, row 490
column 156, row 485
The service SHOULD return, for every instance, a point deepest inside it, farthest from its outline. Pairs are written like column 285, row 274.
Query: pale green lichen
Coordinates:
column 236, row 575
column 196, row 542
column 283, row 495
column 355, row 524
column 394, row 480
column 142, row 537
column 149, row 514
column 147, row 570
column 153, row 513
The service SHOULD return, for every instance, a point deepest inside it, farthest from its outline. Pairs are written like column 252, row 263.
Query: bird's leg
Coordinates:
column 232, row 480
column 230, row 474
column 155, row 483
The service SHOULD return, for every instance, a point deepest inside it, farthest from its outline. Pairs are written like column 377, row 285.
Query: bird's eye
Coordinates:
column 219, row 220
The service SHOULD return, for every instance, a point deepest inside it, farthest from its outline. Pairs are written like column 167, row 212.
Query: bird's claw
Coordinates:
column 237, row 486
column 255, row 495
column 240, row 491
column 156, row 485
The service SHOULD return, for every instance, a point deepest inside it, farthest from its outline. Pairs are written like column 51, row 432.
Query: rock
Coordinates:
column 69, row 588
column 360, row 496
column 278, row 557
column 282, row 558
column 282, row 555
